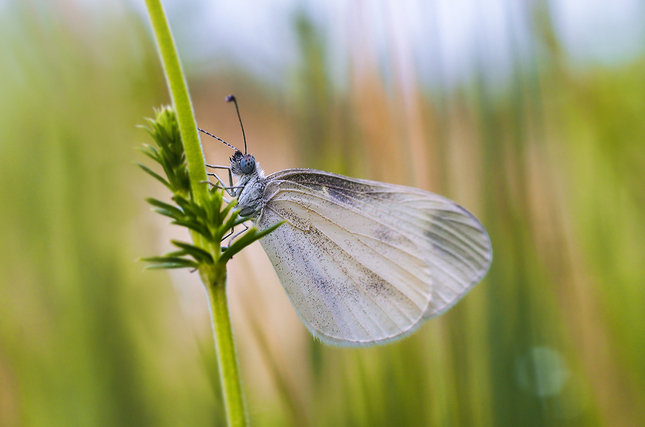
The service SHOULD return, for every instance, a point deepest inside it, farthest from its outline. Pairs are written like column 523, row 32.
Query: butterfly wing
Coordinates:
column 366, row 262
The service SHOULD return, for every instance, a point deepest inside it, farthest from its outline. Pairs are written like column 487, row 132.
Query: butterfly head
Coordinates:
column 243, row 164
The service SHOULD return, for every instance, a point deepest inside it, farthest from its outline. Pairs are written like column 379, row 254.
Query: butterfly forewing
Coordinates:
column 366, row 262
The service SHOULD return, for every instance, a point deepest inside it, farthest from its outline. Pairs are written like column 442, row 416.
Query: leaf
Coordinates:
column 162, row 205
column 176, row 253
column 240, row 220
column 224, row 212
column 164, row 258
column 199, row 254
column 197, row 227
column 266, row 231
column 246, row 239
column 151, row 152
column 230, row 222
column 169, row 265
column 153, row 174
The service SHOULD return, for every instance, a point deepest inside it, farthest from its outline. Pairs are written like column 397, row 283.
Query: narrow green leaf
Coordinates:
column 151, row 152
column 187, row 206
column 196, row 227
column 169, row 265
column 246, row 239
column 224, row 212
column 261, row 234
column 241, row 220
column 176, row 253
column 165, row 213
column 164, row 258
column 154, row 175
column 226, row 226
column 198, row 253
column 214, row 207
column 243, row 241
column 162, row 205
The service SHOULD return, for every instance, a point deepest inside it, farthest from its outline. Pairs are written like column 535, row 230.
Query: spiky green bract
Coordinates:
column 211, row 220
column 169, row 152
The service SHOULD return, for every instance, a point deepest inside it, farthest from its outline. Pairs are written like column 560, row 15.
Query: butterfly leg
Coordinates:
column 230, row 189
column 246, row 227
column 230, row 242
column 226, row 236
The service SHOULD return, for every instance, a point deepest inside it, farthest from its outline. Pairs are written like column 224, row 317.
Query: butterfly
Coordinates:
column 363, row 262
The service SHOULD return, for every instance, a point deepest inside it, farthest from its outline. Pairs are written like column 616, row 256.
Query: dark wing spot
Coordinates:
column 386, row 234
column 319, row 180
column 379, row 286
column 341, row 196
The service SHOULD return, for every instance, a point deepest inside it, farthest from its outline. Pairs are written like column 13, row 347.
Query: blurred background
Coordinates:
column 529, row 113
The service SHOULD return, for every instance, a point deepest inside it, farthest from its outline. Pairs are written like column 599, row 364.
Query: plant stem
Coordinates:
column 213, row 279
column 225, row 348
column 180, row 98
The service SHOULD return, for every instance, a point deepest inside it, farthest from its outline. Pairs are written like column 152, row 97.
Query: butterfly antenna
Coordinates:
column 219, row 139
column 232, row 98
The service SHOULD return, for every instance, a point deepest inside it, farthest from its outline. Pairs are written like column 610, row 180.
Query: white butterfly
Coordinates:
column 363, row 262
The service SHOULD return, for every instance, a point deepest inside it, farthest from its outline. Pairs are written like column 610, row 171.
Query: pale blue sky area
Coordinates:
column 446, row 39
column 443, row 36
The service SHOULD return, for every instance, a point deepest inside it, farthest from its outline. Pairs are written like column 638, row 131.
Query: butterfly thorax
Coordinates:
column 250, row 183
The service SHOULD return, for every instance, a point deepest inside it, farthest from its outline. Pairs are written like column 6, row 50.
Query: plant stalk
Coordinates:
column 229, row 369
column 180, row 99
column 214, row 279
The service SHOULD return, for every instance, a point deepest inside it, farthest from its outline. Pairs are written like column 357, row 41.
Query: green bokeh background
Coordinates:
column 552, row 160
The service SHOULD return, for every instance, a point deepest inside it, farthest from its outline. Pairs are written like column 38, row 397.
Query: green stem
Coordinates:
column 225, row 348
column 214, row 279
column 180, row 98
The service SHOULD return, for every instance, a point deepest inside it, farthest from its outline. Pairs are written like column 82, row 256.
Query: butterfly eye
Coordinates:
column 247, row 164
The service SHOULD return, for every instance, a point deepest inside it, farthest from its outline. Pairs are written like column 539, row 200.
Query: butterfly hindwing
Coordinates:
column 366, row 262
